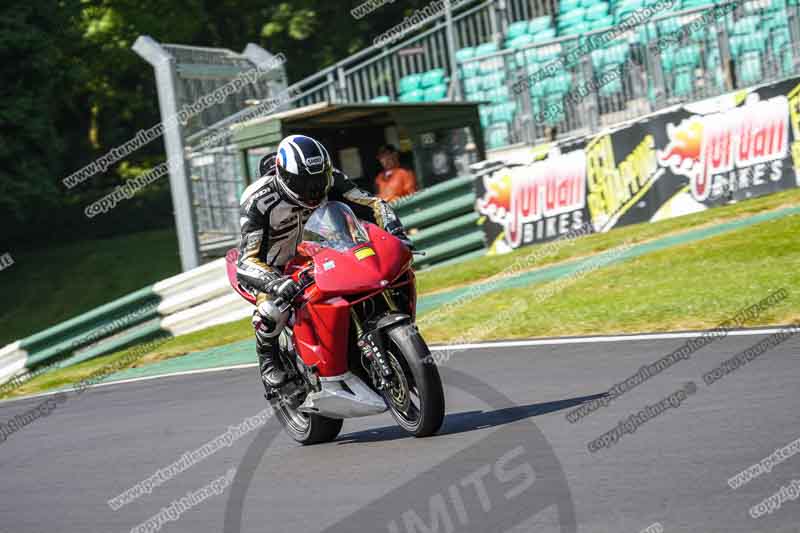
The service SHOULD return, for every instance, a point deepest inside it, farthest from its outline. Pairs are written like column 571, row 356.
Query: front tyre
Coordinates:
column 416, row 398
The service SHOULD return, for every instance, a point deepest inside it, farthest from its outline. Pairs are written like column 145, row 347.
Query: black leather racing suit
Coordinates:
column 272, row 228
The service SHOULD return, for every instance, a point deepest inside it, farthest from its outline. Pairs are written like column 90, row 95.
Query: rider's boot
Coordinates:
column 269, row 364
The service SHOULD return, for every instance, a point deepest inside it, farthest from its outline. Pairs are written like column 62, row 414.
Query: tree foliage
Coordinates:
column 72, row 88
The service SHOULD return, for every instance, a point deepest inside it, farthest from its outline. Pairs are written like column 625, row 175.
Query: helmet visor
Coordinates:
column 310, row 189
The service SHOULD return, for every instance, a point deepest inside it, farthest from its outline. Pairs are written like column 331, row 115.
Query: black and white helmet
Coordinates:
column 304, row 171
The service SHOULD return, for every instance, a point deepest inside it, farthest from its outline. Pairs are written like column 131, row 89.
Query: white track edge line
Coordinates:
column 444, row 347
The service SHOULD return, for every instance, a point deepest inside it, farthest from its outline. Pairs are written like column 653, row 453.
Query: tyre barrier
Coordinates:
column 441, row 221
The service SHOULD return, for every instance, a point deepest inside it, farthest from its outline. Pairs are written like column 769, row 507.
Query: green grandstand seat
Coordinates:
column 787, row 62
column 498, row 95
column 497, row 136
column 571, row 17
column 432, row 77
column 611, row 88
column 465, row 53
column 598, row 58
column 485, row 112
column 684, row 82
column 773, row 6
column 536, row 105
column 529, row 56
column 477, row 96
column 558, row 84
column 628, row 5
column 494, row 80
column 617, row 54
column 516, row 29
column 383, row 99
column 668, row 59
column 548, row 53
column 519, row 42
column 473, row 85
column 436, row 93
column 780, row 39
column 712, row 58
column 596, row 11
column 750, row 68
column 538, row 87
column 576, row 29
column 538, row 24
column 488, row 66
column 416, row 95
column 688, row 56
column 623, row 11
column 470, row 69
column 555, row 104
column 409, row 83
column 547, row 34
column 668, row 26
column 602, row 22
column 755, row 42
column 773, row 24
column 746, row 25
column 565, row 6
column 485, row 48
column 503, row 112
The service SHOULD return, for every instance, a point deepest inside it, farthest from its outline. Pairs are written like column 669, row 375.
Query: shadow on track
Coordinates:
column 470, row 420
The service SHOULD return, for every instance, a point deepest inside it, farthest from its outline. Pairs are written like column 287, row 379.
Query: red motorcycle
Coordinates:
column 348, row 341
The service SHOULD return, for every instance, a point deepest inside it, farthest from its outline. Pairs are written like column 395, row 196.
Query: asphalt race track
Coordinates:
column 507, row 458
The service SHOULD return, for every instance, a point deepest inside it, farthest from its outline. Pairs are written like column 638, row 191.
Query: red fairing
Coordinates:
column 322, row 324
column 321, row 332
column 322, row 321
column 364, row 268
column 231, row 258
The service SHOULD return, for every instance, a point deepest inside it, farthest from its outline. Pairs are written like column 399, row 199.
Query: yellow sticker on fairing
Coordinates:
column 363, row 253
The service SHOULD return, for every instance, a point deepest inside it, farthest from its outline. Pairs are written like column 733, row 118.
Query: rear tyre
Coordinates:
column 416, row 400
column 304, row 428
column 307, row 428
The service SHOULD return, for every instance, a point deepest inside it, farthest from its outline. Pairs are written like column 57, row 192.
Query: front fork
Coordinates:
column 372, row 343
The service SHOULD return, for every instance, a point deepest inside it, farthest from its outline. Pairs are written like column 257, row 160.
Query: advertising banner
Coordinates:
column 679, row 161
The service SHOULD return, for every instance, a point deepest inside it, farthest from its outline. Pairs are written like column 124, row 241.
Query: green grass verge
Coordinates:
column 174, row 347
column 45, row 287
column 482, row 268
column 688, row 287
column 693, row 286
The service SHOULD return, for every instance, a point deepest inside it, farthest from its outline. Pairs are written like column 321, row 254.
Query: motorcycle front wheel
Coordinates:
column 416, row 397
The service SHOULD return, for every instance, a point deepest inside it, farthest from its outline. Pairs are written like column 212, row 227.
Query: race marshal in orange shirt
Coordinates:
column 393, row 181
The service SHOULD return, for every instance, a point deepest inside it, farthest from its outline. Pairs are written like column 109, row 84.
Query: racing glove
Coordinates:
column 284, row 288
column 396, row 228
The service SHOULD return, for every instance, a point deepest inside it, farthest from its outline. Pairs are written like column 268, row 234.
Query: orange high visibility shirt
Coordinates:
column 394, row 183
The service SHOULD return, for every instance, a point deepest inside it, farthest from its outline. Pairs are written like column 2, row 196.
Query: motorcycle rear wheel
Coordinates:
column 305, row 428
column 416, row 400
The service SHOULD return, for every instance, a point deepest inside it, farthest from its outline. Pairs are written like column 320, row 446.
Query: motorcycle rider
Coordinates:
column 294, row 181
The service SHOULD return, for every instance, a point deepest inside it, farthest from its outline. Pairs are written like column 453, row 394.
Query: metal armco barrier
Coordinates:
column 188, row 302
column 442, row 222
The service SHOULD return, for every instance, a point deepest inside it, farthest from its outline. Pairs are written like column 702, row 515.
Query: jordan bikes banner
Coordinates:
column 683, row 160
